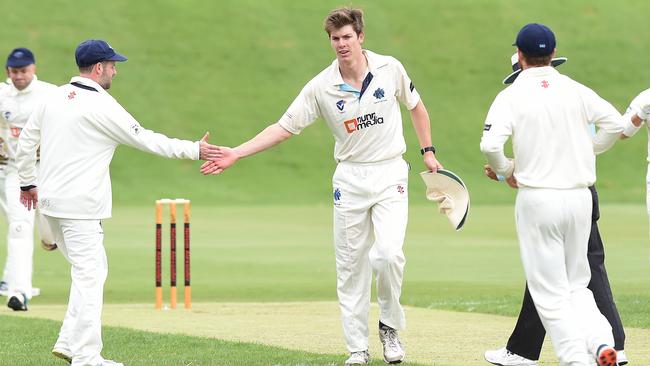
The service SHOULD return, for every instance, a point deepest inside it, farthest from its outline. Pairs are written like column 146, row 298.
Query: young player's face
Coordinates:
column 21, row 76
column 346, row 43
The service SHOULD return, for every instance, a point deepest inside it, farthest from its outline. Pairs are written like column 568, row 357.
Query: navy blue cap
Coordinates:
column 20, row 57
column 92, row 51
column 535, row 40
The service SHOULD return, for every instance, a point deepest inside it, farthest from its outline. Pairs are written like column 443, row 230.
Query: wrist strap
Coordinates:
column 428, row 148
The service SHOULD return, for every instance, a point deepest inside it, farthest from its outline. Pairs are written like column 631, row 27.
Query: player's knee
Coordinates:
column 387, row 259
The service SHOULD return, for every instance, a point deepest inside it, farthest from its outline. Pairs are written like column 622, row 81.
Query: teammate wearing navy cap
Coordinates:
column 78, row 127
column 547, row 115
column 18, row 98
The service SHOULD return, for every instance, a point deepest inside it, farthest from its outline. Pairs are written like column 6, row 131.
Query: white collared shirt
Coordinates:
column 78, row 128
column 366, row 129
column 17, row 105
column 635, row 108
column 547, row 114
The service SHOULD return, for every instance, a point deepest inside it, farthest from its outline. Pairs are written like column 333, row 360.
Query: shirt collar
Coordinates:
column 533, row 72
column 28, row 89
column 374, row 63
column 88, row 82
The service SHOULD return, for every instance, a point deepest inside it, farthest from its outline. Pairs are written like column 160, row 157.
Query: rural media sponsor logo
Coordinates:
column 363, row 122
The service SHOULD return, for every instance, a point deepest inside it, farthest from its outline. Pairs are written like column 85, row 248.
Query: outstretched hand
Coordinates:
column 206, row 150
column 29, row 198
column 225, row 157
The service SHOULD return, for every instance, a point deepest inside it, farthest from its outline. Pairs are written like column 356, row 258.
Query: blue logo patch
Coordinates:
column 337, row 194
column 7, row 115
column 379, row 93
column 340, row 105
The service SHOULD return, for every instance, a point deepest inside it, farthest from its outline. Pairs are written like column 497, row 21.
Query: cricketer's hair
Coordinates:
column 89, row 68
column 537, row 60
column 339, row 18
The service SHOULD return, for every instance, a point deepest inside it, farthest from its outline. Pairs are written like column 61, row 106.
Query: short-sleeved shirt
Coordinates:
column 367, row 128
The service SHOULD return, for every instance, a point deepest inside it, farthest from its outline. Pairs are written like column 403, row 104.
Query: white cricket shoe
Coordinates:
column 393, row 351
column 621, row 357
column 503, row 357
column 358, row 358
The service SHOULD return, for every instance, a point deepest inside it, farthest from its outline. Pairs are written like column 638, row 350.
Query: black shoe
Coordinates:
column 16, row 305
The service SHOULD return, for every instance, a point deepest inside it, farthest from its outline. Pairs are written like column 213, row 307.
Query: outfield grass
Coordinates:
column 286, row 254
column 135, row 348
column 233, row 66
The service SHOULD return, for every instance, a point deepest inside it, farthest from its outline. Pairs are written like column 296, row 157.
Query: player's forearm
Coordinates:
column 493, row 151
column 421, row 124
column 632, row 124
column 269, row 137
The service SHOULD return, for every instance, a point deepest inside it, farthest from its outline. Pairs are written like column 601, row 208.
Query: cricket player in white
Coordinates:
column 78, row 128
column 17, row 102
column 637, row 113
column 547, row 114
column 358, row 96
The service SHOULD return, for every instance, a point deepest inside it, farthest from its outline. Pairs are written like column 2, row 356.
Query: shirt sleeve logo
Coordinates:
column 487, row 127
column 135, row 129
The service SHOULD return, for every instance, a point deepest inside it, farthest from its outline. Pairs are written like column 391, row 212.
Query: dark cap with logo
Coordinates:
column 535, row 40
column 20, row 57
column 93, row 51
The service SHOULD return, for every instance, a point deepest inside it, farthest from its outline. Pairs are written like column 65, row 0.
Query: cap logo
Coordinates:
column 542, row 45
column 19, row 54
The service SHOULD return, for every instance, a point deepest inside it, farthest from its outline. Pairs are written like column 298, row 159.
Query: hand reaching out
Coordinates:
column 206, row 150
column 225, row 157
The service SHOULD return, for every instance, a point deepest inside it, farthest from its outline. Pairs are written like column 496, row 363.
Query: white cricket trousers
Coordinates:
column 647, row 184
column 20, row 237
column 553, row 227
column 82, row 243
column 370, row 216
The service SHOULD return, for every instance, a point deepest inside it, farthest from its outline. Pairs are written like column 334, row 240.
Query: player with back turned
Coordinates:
column 358, row 96
column 547, row 114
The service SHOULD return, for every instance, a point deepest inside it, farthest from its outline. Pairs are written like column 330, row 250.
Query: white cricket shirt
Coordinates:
column 634, row 108
column 547, row 114
column 17, row 105
column 366, row 129
column 78, row 128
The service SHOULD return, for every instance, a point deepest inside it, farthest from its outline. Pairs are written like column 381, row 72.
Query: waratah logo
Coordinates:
column 362, row 122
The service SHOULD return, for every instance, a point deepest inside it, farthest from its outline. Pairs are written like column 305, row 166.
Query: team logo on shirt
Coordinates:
column 340, row 105
column 379, row 93
column 400, row 189
column 337, row 195
column 545, row 84
column 7, row 115
column 72, row 95
column 362, row 122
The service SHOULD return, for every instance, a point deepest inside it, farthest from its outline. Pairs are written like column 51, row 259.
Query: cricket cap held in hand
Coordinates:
column 449, row 191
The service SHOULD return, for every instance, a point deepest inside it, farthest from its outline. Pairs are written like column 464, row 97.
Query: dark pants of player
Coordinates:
column 527, row 337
